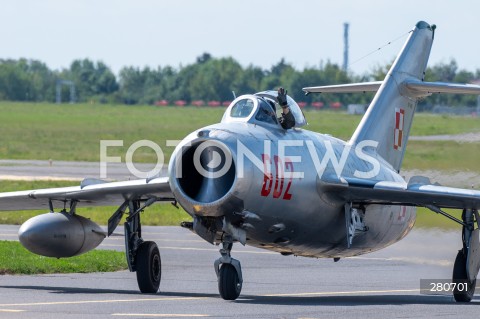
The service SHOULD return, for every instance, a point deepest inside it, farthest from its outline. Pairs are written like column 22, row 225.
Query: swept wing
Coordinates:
column 89, row 193
column 415, row 193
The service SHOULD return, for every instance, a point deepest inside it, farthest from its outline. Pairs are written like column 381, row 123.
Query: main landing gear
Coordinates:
column 143, row 257
column 149, row 267
column 229, row 272
column 467, row 262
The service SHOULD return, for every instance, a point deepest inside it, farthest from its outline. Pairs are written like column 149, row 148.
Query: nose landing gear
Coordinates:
column 229, row 272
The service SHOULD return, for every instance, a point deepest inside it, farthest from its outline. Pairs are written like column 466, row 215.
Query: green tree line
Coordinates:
column 208, row 79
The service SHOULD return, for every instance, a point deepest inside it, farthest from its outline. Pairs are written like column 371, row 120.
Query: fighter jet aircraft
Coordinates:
column 248, row 180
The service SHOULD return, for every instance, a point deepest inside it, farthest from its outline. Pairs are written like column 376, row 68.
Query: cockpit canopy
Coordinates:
column 262, row 109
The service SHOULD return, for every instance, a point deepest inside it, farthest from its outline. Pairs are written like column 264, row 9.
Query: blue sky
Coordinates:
column 261, row 32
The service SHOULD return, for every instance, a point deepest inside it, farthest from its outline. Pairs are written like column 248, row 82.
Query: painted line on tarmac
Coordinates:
column 162, row 315
column 10, row 230
column 164, row 232
column 236, row 251
column 39, row 178
column 202, row 249
column 82, row 302
column 367, row 258
column 333, row 293
column 167, row 240
column 442, row 263
column 181, row 240
column 411, row 260
column 155, row 233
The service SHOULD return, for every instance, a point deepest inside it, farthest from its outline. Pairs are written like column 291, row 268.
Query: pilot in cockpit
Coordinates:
column 268, row 113
column 287, row 120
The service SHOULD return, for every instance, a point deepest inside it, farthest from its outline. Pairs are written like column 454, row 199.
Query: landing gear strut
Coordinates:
column 467, row 263
column 229, row 272
column 142, row 256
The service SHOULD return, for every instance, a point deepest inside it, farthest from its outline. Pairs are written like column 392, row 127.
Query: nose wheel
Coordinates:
column 229, row 272
column 229, row 284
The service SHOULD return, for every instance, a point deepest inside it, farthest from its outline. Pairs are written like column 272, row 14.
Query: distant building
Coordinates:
column 357, row 108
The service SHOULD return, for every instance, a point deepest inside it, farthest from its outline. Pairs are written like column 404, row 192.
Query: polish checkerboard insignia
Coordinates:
column 398, row 132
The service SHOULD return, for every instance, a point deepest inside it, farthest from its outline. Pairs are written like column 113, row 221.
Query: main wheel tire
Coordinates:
column 229, row 284
column 149, row 267
column 460, row 276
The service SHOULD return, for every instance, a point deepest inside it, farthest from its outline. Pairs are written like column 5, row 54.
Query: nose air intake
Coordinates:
column 208, row 172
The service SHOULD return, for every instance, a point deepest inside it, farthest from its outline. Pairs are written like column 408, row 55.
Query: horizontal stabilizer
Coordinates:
column 441, row 87
column 345, row 88
column 414, row 88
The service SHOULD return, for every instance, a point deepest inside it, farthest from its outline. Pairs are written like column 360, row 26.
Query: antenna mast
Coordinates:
column 345, row 46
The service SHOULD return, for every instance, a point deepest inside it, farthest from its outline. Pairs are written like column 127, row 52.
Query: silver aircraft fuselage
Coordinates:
column 296, row 215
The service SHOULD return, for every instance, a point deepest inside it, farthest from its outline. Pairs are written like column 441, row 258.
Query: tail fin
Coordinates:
column 390, row 115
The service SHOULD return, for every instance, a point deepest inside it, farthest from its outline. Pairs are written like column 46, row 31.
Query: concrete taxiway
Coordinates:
column 77, row 171
column 72, row 170
column 379, row 285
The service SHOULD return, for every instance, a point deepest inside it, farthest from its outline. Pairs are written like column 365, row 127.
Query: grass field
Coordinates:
column 73, row 132
column 428, row 219
column 14, row 259
column 442, row 156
